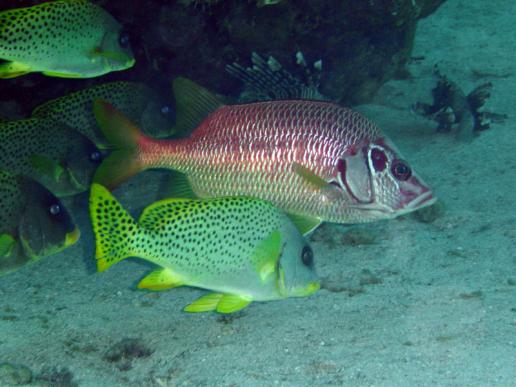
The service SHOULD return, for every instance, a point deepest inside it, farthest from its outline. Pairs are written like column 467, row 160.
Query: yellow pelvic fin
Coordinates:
column 7, row 243
column 230, row 303
column 47, row 167
column 160, row 279
column 305, row 224
column 222, row 303
column 267, row 254
column 13, row 70
column 193, row 104
column 206, row 303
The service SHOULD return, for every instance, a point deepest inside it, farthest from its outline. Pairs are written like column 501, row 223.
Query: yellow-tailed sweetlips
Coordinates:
column 63, row 38
column 243, row 249
column 33, row 223
column 140, row 103
column 61, row 159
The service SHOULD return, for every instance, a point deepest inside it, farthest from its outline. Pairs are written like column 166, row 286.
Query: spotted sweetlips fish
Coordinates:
column 62, row 38
column 316, row 160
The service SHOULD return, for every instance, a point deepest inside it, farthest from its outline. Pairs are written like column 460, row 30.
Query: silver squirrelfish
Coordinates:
column 316, row 160
column 63, row 38
column 244, row 249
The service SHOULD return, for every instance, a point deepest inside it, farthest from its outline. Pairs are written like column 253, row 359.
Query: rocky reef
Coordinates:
column 360, row 44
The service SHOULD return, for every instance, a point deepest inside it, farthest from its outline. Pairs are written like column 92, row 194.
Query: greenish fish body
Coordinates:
column 243, row 249
column 58, row 157
column 137, row 101
column 63, row 38
column 33, row 223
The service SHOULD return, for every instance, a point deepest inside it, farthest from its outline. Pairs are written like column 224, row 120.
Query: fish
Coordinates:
column 58, row 157
column 242, row 249
column 63, row 38
column 316, row 160
column 33, row 223
column 137, row 101
column 268, row 80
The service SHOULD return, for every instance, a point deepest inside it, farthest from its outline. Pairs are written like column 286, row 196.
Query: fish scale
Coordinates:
column 275, row 134
column 316, row 160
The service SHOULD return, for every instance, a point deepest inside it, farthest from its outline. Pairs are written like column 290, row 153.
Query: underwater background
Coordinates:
column 424, row 299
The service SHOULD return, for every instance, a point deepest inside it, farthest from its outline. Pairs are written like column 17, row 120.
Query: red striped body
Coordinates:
column 251, row 149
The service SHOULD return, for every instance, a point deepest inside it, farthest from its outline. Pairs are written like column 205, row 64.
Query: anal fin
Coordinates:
column 161, row 279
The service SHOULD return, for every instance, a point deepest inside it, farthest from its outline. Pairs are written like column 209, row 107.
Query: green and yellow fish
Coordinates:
column 60, row 158
column 241, row 248
column 137, row 101
column 33, row 223
column 63, row 38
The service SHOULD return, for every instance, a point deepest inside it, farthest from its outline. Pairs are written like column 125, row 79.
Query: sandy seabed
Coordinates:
column 404, row 302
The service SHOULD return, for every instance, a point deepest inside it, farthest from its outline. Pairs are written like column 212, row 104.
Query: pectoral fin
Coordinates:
column 310, row 177
column 13, row 70
column 221, row 303
column 267, row 254
column 161, row 279
column 47, row 167
column 7, row 243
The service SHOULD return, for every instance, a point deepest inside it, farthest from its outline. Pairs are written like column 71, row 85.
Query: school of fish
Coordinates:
column 248, row 182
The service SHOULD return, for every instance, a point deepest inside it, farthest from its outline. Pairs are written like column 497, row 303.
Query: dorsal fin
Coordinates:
column 154, row 215
column 193, row 104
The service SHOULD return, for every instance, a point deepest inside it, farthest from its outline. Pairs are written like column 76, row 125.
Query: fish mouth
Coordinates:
column 424, row 200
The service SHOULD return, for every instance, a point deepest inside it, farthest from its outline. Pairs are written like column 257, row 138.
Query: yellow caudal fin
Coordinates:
column 124, row 137
column 113, row 227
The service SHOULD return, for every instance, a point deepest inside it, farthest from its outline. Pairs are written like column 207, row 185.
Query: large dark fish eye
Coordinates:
column 54, row 209
column 165, row 109
column 95, row 156
column 379, row 159
column 307, row 256
column 401, row 170
column 124, row 39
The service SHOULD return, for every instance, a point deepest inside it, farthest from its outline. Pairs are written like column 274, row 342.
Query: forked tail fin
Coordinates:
column 124, row 136
column 113, row 227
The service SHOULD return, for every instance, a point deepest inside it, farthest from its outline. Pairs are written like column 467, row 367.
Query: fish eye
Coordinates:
column 165, row 109
column 401, row 170
column 124, row 40
column 54, row 209
column 95, row 156
column 379, row 159
column 307, row 256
